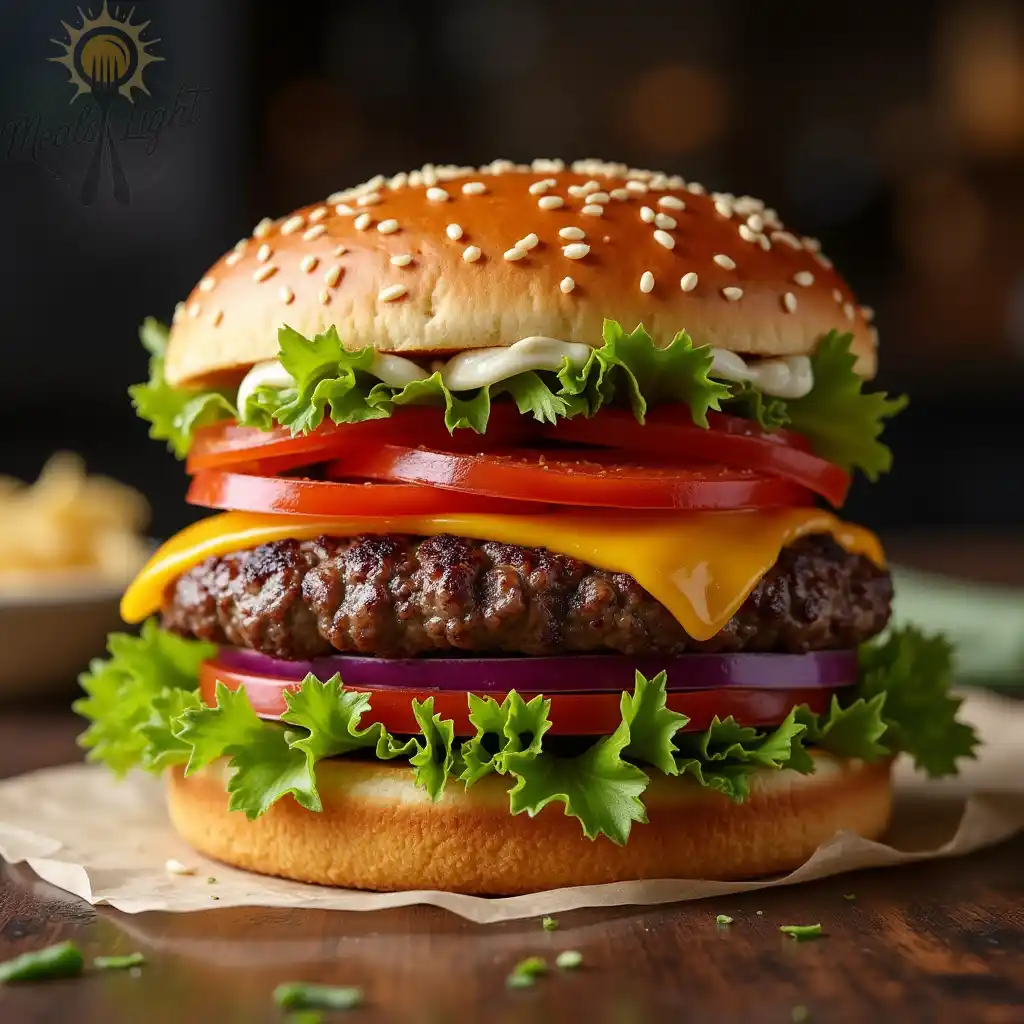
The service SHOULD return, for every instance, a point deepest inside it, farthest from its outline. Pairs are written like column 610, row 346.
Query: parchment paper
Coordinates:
column 109, row 844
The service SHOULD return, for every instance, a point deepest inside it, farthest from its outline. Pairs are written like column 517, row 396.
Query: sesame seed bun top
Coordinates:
column 451, row 258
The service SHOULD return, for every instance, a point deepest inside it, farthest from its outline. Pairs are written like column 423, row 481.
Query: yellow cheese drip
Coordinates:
column 700, row 565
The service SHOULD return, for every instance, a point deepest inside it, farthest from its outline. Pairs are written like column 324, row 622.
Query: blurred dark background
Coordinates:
column 892, row 131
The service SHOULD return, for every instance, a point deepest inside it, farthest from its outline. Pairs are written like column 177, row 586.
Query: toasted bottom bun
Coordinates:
column 379, row 831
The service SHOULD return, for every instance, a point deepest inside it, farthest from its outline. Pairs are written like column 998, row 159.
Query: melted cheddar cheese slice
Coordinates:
column 700, row 565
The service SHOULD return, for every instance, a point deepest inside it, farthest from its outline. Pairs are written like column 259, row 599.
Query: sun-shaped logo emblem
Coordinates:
column 106, row 57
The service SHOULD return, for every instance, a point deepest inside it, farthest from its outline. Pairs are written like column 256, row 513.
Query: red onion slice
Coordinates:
column 566, row 674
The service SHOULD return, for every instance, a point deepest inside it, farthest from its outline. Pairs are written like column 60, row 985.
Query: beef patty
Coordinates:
column 399, row 596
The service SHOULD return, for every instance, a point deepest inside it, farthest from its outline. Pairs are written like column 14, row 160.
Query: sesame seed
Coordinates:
column 194, row 310
column 695, row 188
column 868, row 313
column 573, row 234
column 646, row 282
column 551, row 202
column 344, row 210
column 540, row 187
column 388, row 227
column 636, row 186
column 262, row 273
column 647, row 214
column 688, row 281
column 370, row 199
column 567, row 284
column 663, row 220
column 415, row 179
column 671, row 203
column 264, row 252
column 454, row 231
column 179, row 312
column 332, row 276
column 619, row 194
column 598, row 197
column 733, row 294
column 471, row 253
column 593, row 210
column 401, row 259
column 308, row 263
column 811, row 244
column 233, row 258
column 515, row 253
column 318, row 214
column 723, row 207
column 474, row 188
column 665, row 239
column 400, row 180
column 725, row 262
column 529, row 242
column 292, row 224
column 340, row 250
column 577, row 191
column 804, row 278
column 576, row 251
column 337, row 197
column 848, row 311
column 789, row 301
column 218, row 317
column 747, row 234
column 263, row 228
column 437, row 195
column 241, row 245
column 837, row 295
column 207, row 284
column 314, row 232
column 787, row 239
column 363, row 221
column 392, row 292
column 755, row 222
column 764, row 242
column 325, row 297
column 590, row 186
column 287, row 295
column 823, row 260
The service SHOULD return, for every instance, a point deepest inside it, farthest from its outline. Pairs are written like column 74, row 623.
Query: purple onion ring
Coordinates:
column 572, row 673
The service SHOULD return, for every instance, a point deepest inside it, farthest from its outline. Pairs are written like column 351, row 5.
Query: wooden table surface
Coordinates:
column 936, row 942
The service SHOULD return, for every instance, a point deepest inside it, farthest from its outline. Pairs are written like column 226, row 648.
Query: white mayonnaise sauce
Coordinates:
column 787, row 377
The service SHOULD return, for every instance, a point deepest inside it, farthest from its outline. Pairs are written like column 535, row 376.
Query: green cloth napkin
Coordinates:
column 985, row 623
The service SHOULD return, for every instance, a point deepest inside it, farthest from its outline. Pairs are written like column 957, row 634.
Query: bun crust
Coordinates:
column 378, row 831
column 331, row 264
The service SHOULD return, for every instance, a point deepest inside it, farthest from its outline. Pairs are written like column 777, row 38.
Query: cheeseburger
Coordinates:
column 525, row 568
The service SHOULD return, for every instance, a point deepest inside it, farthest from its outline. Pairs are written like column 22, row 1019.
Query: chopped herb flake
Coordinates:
column 549, row 924
column 569, row 960
column 849, row 896
column 300, row 995
column 118, row 963
column 801, row 932
column 524, row 972
column 723, row 919
column 61, row 961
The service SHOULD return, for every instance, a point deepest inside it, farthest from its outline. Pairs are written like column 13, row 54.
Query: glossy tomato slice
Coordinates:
column 242, row 492
column 573, row 714
column 671, row 435
column 573, row 478
column 228, row 444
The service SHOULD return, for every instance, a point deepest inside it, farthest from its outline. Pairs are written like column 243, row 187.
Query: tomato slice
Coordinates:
column 572, row 478
column 242, row 492
column 671, row 435
column 228, row 444
column 572, row 714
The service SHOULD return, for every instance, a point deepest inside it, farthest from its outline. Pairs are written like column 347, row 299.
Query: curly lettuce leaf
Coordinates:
column 651, row 725
column 598, row 787
column 173, row 413
column 433, row 760
column 460, row 412
column 768, row 412
column 513, row 726
column 843, row 421
column 534, row 397
column 121, row 691
column 911, row 673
